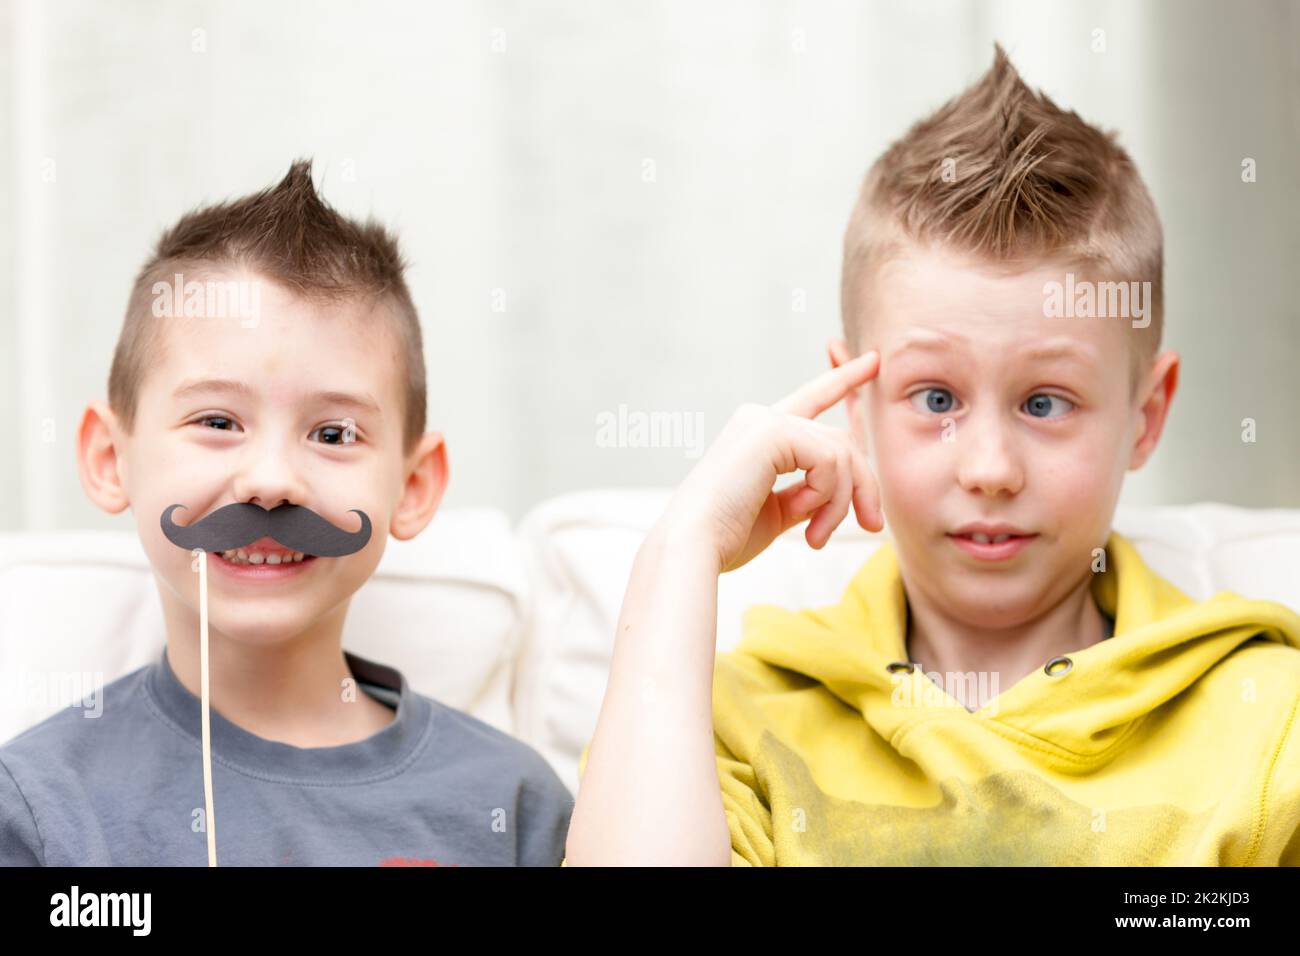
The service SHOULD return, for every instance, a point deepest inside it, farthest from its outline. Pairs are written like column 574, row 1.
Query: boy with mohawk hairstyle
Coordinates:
column 1005, row 681
column 269, row 419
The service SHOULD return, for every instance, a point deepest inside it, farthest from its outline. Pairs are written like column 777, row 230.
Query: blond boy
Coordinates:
column 1005, row 681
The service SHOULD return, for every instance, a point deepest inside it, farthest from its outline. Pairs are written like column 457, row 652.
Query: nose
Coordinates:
column 268, row 474
column 988, row 459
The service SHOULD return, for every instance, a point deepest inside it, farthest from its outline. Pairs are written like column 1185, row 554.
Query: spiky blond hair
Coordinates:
column 1028, row 181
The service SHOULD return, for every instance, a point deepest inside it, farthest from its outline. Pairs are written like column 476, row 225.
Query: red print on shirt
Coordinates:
column 412, row 861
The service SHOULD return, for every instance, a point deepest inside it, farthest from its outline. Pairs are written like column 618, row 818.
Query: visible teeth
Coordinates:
column 241, row 556
column 985, row 539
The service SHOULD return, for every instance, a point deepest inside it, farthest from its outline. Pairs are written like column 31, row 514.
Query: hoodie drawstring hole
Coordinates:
column 1058, row 666
column 900, row 667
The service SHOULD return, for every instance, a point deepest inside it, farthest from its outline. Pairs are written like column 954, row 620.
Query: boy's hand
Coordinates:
column 728, row 496
column 657, row 765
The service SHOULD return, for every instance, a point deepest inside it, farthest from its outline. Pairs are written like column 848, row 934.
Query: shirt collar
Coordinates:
column 383, row 753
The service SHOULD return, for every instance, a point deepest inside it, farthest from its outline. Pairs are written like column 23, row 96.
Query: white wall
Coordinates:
column 522, row 169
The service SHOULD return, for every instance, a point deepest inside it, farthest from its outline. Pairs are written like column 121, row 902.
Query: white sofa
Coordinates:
column 516, row 625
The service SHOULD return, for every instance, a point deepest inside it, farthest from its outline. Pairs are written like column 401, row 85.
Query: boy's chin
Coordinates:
column 246, row 616
column 258, row 630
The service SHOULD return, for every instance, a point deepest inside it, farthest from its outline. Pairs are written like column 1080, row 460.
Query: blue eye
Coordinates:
column 937, row 400
column 1043, row 402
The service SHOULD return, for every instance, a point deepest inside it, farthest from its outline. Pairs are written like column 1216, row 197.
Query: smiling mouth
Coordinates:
column 243, row 556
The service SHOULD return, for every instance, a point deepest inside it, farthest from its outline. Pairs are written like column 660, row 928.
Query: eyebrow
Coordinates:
column 1052, row 349
column 243, row 390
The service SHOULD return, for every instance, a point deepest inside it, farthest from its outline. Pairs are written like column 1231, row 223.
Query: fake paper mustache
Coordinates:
column 294, row 526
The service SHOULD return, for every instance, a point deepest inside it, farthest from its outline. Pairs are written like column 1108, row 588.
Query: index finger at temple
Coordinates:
column 813, row 398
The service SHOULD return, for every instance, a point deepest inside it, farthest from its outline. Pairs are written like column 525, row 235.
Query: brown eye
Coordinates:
column 336, row 435
column 216, row 418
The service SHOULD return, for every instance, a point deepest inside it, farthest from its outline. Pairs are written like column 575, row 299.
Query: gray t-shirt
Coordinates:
column 436, row 787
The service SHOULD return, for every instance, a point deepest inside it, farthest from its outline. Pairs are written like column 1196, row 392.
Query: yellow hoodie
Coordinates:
column 1173, row 742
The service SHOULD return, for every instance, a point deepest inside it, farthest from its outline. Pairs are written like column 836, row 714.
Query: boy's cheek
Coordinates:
column 912, row 450
column 1081, row 485
column 911, row 471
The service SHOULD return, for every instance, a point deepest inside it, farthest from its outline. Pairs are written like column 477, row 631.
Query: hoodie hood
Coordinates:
column 1163, row 643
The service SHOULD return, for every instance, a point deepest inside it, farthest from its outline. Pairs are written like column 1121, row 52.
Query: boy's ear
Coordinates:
column 100, row 463
column 854, row 401
column 426, row 480
column 1162, row 382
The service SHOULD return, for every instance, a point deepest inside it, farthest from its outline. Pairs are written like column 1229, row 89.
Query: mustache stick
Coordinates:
column 230, row 527
column 208, row 807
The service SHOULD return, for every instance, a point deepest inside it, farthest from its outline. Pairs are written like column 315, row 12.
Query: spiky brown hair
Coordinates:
column 1030, row 182
column 288, row 234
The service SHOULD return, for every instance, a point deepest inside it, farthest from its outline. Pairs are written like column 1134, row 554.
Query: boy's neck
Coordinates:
column 937, row 642
column 291, row 692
